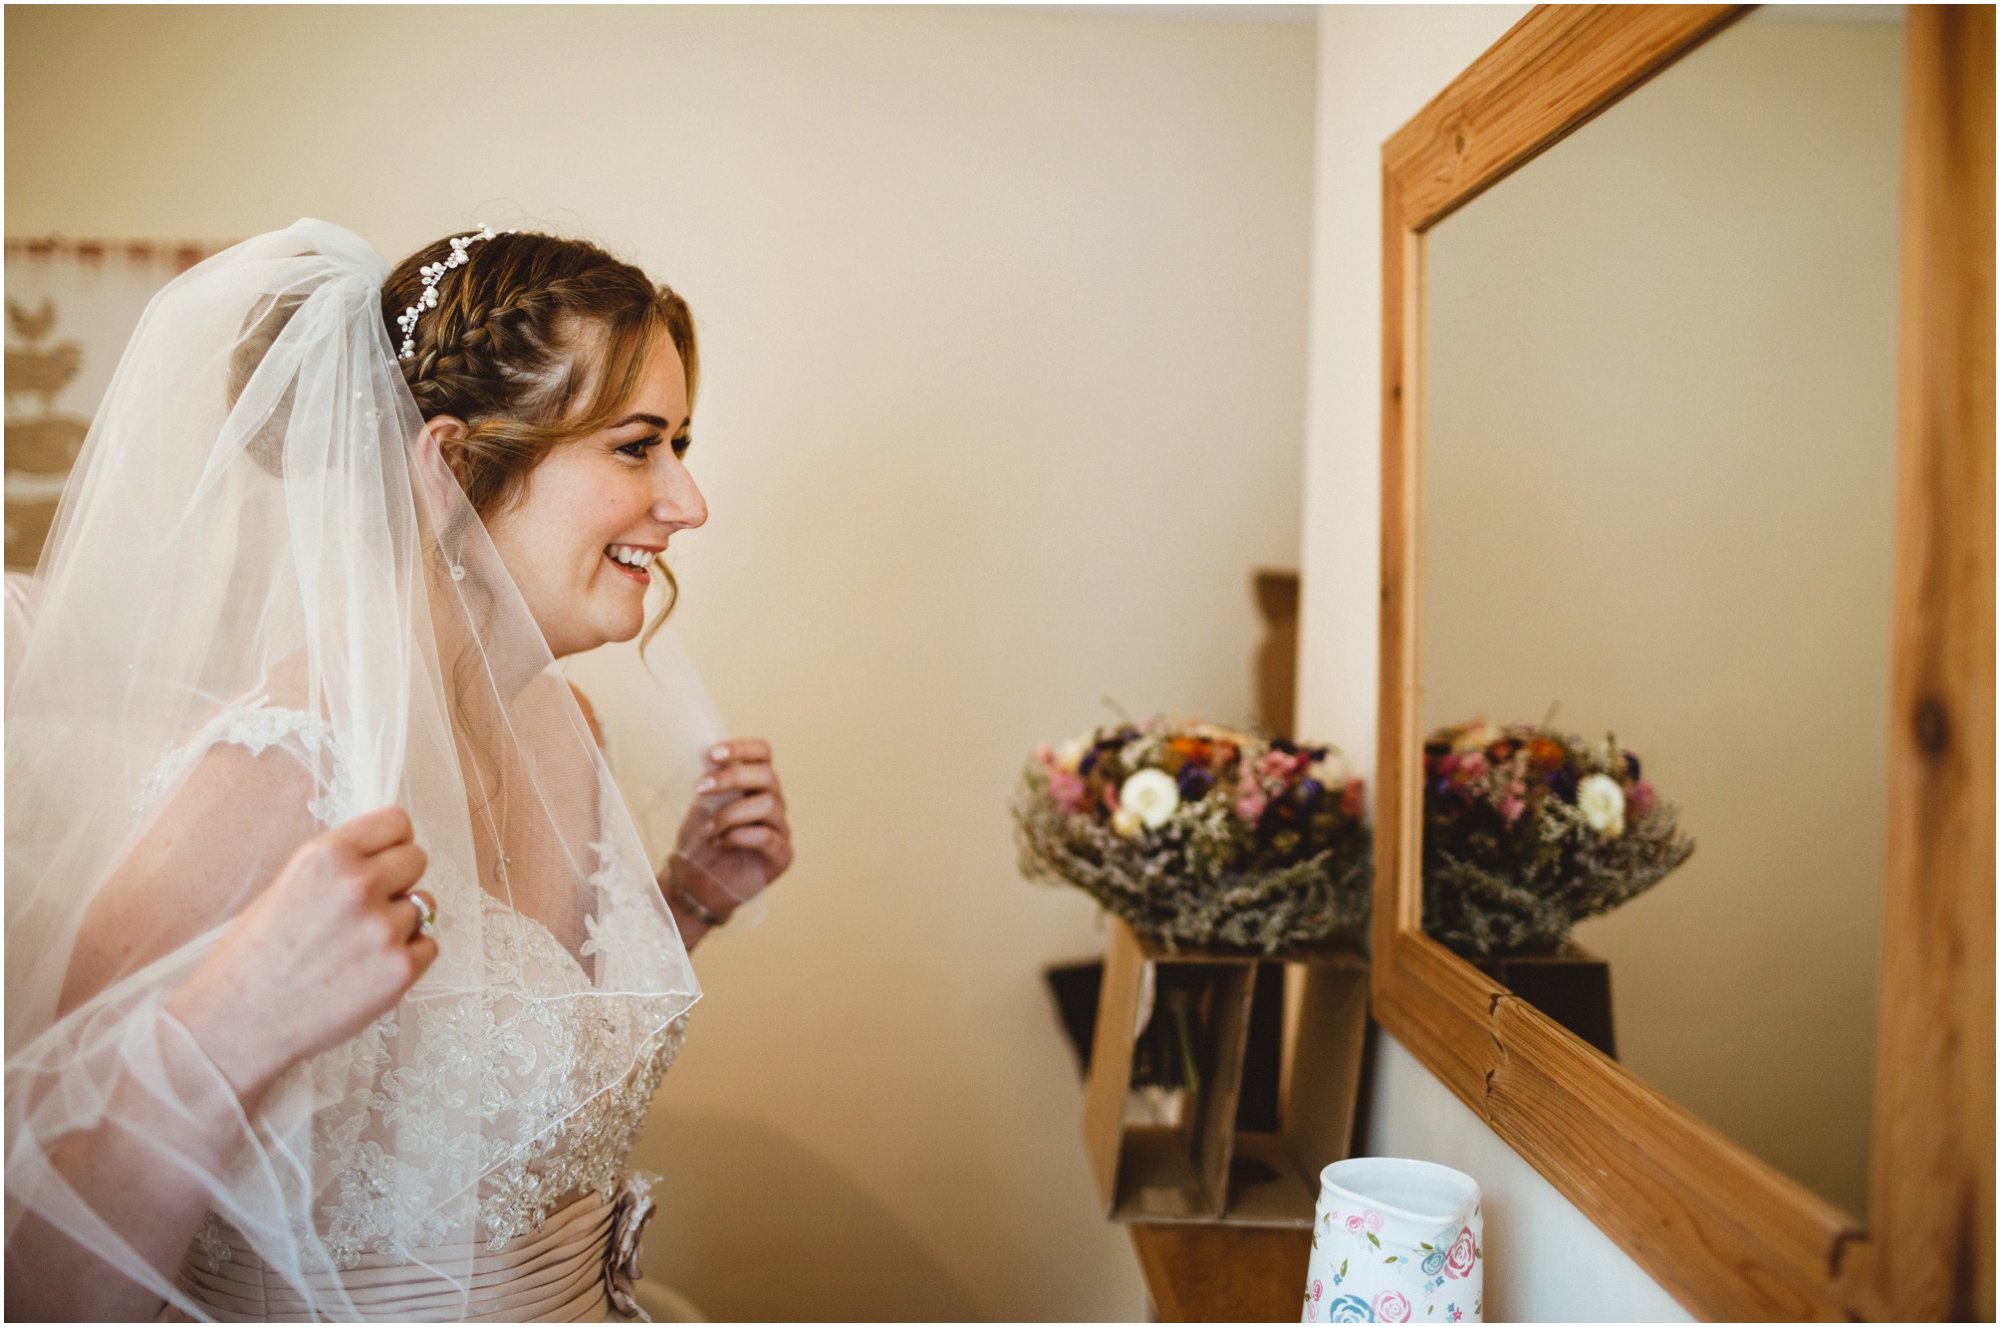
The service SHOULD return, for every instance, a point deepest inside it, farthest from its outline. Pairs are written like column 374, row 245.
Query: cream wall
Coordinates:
column 1377, row 68
column 1004, row 319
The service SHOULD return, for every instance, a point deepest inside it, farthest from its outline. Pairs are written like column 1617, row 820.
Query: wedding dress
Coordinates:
column 257, row 620
column 559, row 1213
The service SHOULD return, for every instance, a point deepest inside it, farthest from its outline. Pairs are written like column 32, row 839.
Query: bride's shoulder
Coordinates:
column 269, row 744
column 219, row 816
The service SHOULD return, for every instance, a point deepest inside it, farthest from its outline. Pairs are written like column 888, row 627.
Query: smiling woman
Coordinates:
column 253, row 1071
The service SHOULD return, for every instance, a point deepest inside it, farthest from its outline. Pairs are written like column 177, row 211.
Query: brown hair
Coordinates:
column 534, row 340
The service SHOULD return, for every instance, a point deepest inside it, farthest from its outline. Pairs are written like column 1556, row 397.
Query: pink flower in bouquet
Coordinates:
column 1276, row 765
column 1111, row 800
column 1471, row 766
column 1511, row 807
column 1250, row 806
column 1068, row 790
column 1046, row 754
column 1352, row 799
column 1641, row 800
column 1447, row 765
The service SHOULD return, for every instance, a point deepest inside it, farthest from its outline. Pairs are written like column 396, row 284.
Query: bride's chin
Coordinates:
column 626, row 629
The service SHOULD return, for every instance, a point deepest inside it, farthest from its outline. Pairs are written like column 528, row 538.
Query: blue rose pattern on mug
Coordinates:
column 1349, row 1308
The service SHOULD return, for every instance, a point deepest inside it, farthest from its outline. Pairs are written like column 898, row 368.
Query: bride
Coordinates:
column 338, row 981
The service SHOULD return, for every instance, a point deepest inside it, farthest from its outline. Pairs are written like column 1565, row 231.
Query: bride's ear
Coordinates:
column 439, row 456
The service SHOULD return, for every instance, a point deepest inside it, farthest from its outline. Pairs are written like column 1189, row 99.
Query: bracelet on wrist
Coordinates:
column 678, row 892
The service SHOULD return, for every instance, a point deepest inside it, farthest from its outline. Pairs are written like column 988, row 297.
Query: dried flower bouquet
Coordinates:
column 1201, row 836
column 1528, row 831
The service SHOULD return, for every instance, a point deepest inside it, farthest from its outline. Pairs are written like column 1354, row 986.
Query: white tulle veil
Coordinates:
column 254, row 599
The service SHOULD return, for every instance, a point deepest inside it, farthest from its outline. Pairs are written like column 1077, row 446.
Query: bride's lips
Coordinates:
column 637, row 575
column 630, row 573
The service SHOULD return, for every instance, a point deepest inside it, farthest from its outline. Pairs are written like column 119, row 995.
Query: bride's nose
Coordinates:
column 679, row 503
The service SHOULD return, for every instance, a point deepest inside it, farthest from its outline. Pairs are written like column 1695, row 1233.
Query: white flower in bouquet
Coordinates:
column 1070, row 754
column 1125, row 824
column 1602, row 802
column 1476, row 737
column 1150, row 796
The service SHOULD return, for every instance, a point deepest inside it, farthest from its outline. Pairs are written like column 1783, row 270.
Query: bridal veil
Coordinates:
column 261, row 615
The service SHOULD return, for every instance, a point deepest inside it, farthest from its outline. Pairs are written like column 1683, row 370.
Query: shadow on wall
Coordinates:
column 776, row 1233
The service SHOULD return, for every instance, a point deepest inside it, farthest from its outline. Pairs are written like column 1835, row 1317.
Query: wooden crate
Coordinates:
column 1203, row 1168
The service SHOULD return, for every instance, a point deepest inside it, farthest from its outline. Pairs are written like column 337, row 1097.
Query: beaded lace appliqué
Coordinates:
column 257, row 727
column 535, row 1145
column 214, row 1248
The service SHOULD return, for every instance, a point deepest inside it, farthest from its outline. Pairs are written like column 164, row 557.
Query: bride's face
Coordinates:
column 597, row 510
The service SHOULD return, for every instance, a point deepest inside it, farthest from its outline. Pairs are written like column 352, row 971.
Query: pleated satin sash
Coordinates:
column 553, row 1275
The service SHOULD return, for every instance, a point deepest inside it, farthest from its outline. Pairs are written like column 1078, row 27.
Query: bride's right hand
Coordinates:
column 329, row 947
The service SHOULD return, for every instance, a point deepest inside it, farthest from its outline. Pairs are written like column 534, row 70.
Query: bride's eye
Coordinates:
column 682, row 443
column 639, row 447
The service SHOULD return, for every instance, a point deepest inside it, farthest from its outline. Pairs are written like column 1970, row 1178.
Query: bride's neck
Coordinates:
column 481, row 659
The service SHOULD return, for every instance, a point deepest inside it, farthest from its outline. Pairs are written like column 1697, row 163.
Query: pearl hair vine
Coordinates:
column 431, row 273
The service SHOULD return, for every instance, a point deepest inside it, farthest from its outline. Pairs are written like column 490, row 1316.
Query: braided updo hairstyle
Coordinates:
column 534, row 340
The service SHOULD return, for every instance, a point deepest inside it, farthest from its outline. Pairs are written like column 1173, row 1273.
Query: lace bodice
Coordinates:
column 552, row 1061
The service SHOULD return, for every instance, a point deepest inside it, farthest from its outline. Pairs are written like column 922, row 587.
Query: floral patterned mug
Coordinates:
column 1395, row 1241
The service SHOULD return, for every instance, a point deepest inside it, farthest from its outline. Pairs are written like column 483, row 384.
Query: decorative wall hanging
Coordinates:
column 71, row 307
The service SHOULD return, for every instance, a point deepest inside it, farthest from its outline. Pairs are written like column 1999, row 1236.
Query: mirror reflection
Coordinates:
column 1658, row 502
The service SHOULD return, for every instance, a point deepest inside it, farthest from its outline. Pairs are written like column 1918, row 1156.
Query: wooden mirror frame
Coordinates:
column 1726, row 1234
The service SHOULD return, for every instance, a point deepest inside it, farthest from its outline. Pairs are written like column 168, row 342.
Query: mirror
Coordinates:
column 1657, row 498
column 1731, row 1236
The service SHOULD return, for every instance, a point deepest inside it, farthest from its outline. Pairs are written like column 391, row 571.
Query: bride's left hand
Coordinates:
column 747, row 842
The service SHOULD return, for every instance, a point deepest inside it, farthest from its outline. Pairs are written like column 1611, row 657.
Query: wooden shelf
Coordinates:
column 1219, row 1273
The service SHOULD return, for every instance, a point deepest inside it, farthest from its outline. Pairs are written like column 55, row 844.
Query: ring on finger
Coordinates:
column 426, row 911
